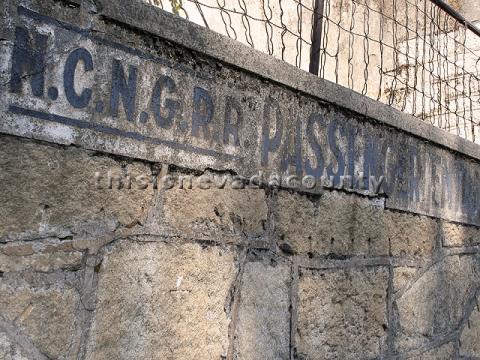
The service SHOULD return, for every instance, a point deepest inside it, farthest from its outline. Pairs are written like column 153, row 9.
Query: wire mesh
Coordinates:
column 413, row 56
column 409, row 54
column 281, row 28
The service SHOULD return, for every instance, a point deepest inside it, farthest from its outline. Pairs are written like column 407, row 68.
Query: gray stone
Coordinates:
column 457, row 235
column 158, row 301
column 444, row 352
column 470, row 338
column 402, row 277
column 216, row 214
column 434, row 305
column 9, row 350
column 51, row 190
column 263, row 326
column 47, row 316
column 342, row 314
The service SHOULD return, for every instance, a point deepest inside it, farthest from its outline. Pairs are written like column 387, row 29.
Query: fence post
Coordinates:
column 316, row 37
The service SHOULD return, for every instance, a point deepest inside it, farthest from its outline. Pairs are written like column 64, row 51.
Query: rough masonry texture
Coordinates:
column 131, row 226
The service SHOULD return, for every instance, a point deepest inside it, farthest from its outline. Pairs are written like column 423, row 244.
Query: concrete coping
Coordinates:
column 154, row 20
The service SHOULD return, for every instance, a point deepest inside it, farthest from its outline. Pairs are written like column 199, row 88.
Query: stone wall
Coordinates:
column 207, row 274
column 150, row 271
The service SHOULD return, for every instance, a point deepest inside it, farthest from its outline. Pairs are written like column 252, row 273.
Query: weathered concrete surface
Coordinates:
column 171, row 304
column 232, row 52
column 191, row 112
column 366, row 67
column 342, row 314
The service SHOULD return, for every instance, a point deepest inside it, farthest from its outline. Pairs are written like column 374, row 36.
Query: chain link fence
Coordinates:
column 418, row 56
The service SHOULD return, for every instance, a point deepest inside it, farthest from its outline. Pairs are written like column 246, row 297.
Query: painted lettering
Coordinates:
column 202, row 112
column 333, row 129
column 271, row 144
column 317, row 171
column 28, row 60
column 294, row 159
column 231, row 128
column 77, row 55
column 171, row 106
column 124, row 89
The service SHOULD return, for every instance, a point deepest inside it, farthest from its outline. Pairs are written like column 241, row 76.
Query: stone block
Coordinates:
column 215, row 214
column 342, row 314
column 295, row 221
column 350, row 225
column 434, row 305
column 48, row 189
column 263, row 326
column 337, row 223
column 162, row 301
column 443, row 352
column 17, row 249
column 47, row 316
column 470, row 338
column 9, row 350
column 42, row 262
column 402, row 276
column 456, row 235
column 410, row 235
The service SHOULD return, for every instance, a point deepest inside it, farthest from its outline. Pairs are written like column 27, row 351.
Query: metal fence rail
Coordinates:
column 418, row 56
